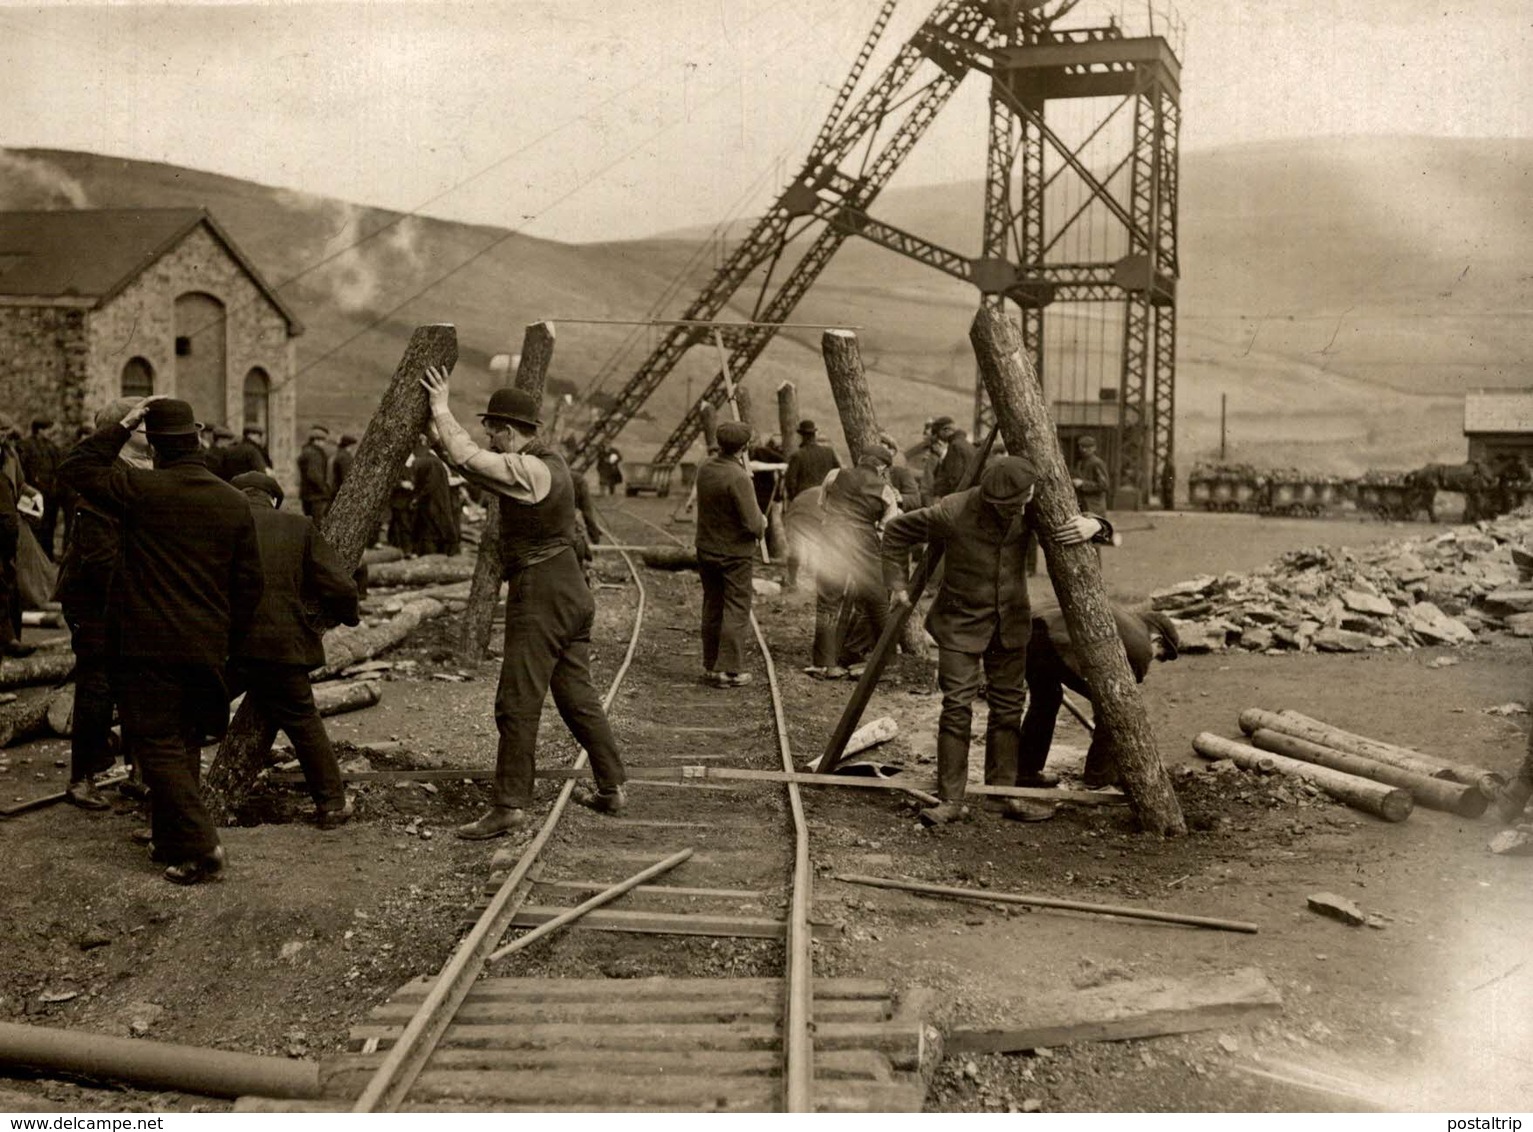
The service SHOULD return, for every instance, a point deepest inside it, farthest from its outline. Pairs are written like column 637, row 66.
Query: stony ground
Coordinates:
column 1427, row 1012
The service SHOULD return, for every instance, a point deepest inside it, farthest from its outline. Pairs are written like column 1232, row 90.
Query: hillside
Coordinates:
column 1342, row 293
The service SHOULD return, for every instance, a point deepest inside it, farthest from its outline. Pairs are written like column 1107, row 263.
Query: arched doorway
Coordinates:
column 201, row 355
column 258, row 401
column 137, row 378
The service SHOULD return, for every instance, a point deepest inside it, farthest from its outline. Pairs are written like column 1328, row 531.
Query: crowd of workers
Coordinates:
column 184, row 583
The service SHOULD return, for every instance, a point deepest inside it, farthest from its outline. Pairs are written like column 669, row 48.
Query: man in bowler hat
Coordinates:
column 549, row 607
column 189, row 585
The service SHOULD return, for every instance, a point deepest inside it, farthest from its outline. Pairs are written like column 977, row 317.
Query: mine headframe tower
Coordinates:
column 1030, row 255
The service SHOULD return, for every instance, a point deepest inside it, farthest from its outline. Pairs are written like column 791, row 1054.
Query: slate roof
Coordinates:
column 1498, row 410
column 92, row 254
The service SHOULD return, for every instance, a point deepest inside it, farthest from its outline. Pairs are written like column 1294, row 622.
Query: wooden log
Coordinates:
column 1076, row 571
column 710, row 417
column 484, row 595
column 427, row 570
column 61, row 712
column 395, row 602
column 1291, row 722
column 606, row 896
column 337, row 698
column 849, row 386
column 1434, row 793
column 46, row 666
column 1377, row 798
column 989, row 897
column 348, row 527
column 24, row 717
column 377, row 555
column 1140, row 1008
column 744, row 406
column 787, row 418
column 669, row 557
column 352, row 644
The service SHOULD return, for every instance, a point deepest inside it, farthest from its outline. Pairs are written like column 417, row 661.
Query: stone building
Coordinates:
column 101, row 303
column 1498, row 423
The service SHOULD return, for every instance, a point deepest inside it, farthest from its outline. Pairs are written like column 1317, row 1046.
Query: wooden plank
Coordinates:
column 902, row 1042
column 655, row 986
column 659, row 923
column 343, row 1076
column 762, row 1009
column 1142, row 1008
column 661, row 889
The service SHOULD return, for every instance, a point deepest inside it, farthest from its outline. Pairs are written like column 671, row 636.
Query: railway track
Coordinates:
column 693, row 991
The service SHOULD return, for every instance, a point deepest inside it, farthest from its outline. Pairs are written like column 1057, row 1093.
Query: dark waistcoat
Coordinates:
column 534, row 532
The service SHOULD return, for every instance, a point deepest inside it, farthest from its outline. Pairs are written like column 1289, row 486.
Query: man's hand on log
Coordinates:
column 435, row 385
column 1082, row 528
column 137, row 414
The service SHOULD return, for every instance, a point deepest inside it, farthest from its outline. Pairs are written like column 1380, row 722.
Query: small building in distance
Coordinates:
column 1498, row 423
column 101, row 303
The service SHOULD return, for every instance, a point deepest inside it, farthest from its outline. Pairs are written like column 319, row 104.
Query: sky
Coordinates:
column 613, row 119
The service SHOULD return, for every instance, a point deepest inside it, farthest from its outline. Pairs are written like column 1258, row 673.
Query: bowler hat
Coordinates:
column 806, row 428
column 170, row 417
column 1005, row 482
column 259, row 481
column 512, row 404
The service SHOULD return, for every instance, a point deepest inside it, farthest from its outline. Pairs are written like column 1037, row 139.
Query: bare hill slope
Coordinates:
column 1342, row 293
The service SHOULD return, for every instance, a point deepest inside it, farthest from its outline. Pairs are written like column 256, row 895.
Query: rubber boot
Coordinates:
column 952, row 767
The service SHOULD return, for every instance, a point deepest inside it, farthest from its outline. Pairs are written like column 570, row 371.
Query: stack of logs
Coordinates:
column 1376, row 777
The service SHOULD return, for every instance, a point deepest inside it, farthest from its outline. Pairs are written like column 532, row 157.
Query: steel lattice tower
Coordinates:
column 1032, row 60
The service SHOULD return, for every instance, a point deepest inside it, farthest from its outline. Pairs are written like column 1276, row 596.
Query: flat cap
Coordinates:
column 259, row 481
column 733, row 435
column 1005, row 482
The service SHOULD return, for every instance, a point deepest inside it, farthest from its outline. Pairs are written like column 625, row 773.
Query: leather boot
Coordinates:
column 1512, row 800
column 952, row 766
column 85, row 795
column 497, row 821
column 197, row 870
column 613, row 801
column 943, row 813
column 1101, row 768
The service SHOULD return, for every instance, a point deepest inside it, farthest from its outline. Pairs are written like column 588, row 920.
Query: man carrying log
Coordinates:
column 549, row 608
column 272, row 661
column 728, row 524
column 858, row 502
column 1054, row 665
column 191, row 579
column 980, row 619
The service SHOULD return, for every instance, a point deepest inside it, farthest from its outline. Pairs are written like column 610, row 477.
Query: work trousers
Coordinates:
column 727, row 598
column 960, row 675
column 836, row 608
column 90, row 732
column 549, row 613
column 167, row 710
column 283, row 692
column 10, row 601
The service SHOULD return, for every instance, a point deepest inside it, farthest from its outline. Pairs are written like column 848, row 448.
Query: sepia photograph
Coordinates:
column 765, row 556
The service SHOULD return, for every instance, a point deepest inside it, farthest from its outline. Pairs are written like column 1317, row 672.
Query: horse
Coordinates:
column 1472, row 479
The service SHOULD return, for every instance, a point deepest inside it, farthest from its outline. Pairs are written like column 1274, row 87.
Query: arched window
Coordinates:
column 258, row 401
column 137, row 378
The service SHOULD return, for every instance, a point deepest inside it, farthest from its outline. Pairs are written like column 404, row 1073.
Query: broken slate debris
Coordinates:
column 1437, row 590
column 1336, row 908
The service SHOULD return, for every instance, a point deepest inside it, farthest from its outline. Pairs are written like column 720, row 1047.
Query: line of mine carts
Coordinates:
column 1487, row 490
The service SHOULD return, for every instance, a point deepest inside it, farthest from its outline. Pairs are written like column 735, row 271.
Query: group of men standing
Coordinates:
column 180, row 591
column 856, row 529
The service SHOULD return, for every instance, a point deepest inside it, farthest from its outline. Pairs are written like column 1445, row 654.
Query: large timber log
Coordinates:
column 427, row 570
column 484, row 594
column 787, row 417
column 338, row 697
column 1377, row 798
column 859, row 424
column 45, row 666
column 744, row 406
column 1023, row 418
column 1290, row 722
column 1434, row 793
column 352, row 644
column 380, row 463
column 24, row 717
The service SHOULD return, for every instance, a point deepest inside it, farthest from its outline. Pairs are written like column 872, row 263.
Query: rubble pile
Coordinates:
column 1442, row 590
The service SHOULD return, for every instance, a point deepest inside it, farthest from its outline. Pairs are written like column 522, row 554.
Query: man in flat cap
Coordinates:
column 807, row 469
column 957, row 455
column 1090, row 476
column 314, row 490
column 729, row 523
column 549, row 608
column 980, row 618
column 306, row 590
column 849, row 582
column 190, row 582
column 1053, row 664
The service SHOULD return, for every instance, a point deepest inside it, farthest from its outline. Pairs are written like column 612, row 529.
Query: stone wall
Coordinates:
column 140, row 322
column 43, row 362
